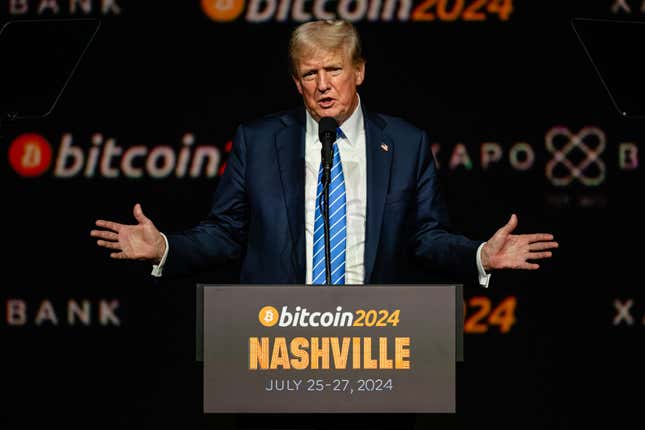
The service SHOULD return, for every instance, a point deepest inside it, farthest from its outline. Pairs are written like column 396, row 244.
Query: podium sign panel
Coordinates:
column 305, row 349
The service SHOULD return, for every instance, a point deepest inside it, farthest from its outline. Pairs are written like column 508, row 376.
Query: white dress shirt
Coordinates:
column 354, row 164
column 353, row 161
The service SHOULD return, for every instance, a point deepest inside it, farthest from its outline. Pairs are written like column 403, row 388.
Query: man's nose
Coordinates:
column 323, row 81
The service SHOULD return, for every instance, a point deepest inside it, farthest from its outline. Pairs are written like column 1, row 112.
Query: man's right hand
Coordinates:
column 141, row 241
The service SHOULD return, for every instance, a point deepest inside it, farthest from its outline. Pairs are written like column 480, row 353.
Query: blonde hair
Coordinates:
column 327, row 35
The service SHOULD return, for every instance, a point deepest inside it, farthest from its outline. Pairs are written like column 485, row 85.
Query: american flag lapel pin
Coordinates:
column 384, row 147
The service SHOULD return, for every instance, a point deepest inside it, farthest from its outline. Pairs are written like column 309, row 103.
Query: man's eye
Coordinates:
column 336, row 72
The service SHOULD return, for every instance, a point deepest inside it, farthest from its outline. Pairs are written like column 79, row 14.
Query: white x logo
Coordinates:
column 623, row 313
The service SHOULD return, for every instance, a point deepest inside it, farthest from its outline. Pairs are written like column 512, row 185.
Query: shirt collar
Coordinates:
column 352, row 127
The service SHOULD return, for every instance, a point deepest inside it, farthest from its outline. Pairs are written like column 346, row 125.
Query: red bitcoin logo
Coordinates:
column 30, row 155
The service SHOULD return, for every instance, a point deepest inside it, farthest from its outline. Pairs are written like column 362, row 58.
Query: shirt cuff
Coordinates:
column 157, row 269
column 484, row 278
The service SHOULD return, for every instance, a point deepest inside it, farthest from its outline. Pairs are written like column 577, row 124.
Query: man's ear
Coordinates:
column 360, row 73
column 298, row 84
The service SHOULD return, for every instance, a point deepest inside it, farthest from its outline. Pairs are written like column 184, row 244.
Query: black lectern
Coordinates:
column 350, row 349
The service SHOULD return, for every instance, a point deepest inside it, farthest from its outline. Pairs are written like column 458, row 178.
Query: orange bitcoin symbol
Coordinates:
column 30, row 155
column 223, row 10
column 268, row 316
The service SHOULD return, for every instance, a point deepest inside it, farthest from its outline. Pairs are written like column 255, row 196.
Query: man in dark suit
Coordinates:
column 386, row 214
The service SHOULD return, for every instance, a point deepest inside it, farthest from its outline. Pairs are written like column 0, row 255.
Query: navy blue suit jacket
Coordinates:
column 258, row 213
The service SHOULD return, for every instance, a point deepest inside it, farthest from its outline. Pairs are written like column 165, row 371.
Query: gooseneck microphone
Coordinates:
column 327, row 134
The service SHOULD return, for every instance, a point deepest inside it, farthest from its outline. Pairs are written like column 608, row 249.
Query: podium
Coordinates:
column 315, row 349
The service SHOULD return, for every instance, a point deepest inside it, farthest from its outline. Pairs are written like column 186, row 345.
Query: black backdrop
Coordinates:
column 157, row 72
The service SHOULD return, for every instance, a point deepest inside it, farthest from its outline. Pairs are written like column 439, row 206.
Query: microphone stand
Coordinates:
column 326, row 179
column 327, row 133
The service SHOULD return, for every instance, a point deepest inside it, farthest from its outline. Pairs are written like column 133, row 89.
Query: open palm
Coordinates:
column 513, row 251
column 141, row 241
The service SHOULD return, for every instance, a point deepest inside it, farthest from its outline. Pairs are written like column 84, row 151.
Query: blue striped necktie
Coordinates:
column 337, row 224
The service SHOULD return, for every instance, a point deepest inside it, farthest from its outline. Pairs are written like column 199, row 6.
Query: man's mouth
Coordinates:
column 326, row 102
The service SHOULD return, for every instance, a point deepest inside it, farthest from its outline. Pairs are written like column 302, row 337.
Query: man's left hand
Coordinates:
column 513, row 251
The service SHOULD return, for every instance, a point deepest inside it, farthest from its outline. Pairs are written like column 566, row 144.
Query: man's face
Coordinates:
column 327, row 81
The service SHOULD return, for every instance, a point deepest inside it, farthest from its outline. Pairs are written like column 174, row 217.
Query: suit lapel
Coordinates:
column 379, row 150
column 290, row 150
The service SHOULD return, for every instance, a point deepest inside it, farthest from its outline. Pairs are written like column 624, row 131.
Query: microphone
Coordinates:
column 327, row 134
